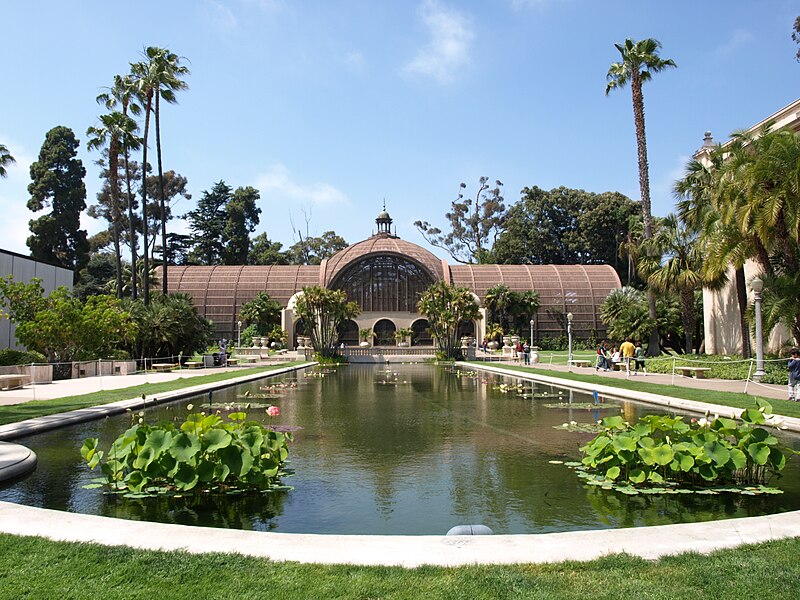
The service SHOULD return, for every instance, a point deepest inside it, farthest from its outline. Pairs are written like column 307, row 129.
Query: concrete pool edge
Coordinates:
column 610, row 391
column 404, row 551
column 39, row 424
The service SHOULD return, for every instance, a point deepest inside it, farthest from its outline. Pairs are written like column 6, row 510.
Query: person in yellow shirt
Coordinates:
column 627, row 350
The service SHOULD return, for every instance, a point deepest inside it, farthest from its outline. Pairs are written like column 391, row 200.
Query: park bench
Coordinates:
column 193, row 364
column 699, row 372
column 8, row 382
column 580, row 363
column 232, row 362
column 163, row 367
column 248, row 359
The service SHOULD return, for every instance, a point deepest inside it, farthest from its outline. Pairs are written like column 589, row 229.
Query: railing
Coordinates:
column 388, row 351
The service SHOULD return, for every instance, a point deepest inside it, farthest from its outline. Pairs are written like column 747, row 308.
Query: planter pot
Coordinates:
column 492, row 345
column 402, row 344
column 506, row 340
column 534, row 355
column 364, row 344
column 514, row 340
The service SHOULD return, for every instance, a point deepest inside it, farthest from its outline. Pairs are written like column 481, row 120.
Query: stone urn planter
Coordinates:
column 492, row 345
column 514, row 340
column 534, row 355
column 364, row 344
column 506, row 340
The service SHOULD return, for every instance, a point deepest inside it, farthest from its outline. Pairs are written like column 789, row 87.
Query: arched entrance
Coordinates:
column 466, row 328
column 422, row 335
column 384, row 333
column 348, row 333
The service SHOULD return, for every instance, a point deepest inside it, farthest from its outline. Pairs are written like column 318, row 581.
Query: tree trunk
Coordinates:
column 161, row 199
column 687, row 318
column 644, row 188
column 741, row 299
column 113, row 175
column 132, row 229
column 146, row 273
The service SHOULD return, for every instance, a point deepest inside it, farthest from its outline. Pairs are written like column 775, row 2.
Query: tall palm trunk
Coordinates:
column 741, row 299
column 161, row 199
column 146, row 274
column 644, row 188
column 113, row 175
column 132, row 229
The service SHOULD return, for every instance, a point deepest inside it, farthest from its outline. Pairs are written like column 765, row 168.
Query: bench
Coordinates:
column 699, row 372
column 163, row 367
column 232, row 362
column 193, row 364
column 8, row 382
column 580, row 363
column 248, row 359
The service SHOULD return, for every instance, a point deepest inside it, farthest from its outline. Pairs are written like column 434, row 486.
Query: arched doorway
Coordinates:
column 422, row 335
column 466, row 328
column 348, row 333
column 384, row 333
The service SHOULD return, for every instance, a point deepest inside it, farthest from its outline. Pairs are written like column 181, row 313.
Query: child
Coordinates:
column 794, row 375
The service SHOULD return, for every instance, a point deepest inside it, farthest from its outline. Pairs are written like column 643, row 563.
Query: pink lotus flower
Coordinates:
column 274, row 411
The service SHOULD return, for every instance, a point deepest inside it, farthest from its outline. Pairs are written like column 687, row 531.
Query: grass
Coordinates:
column 735, row 399
column 37, row 568
column 39, row 408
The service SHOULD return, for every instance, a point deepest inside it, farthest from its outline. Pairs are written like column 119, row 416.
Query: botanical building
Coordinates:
column 385, row 276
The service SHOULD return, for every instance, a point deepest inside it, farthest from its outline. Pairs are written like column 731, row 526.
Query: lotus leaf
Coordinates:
column 759, row 452
column 216, row 439
column 185, row 446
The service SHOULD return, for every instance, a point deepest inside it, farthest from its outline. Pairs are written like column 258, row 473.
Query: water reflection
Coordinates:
column 405, row 449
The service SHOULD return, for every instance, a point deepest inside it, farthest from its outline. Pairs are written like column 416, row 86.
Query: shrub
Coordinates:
column 19, row 357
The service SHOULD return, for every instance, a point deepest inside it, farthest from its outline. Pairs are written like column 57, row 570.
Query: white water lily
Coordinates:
column 702, row 422
column 189, row 406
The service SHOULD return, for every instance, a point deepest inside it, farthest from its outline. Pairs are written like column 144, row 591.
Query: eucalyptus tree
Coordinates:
column 123, row 95
column 157, row 77
column 446, row 306
column 5, row 160
column 639, row 60
column 113, row 128
column 475, row 224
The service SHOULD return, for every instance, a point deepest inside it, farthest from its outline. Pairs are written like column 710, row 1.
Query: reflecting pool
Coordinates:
column 399, row 449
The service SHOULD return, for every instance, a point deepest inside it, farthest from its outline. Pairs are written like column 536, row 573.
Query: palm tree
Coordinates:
column 639, row 61
column 161, row 78
column 123, row 95
column 680, row 268
column 114, row 127
column 5, row 160
column 723, row 245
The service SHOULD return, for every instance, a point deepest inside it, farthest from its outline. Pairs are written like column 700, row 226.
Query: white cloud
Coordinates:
column 354, row 61
column 739, row 38
column 220, row 15
column 277, row 185
column 447, row 50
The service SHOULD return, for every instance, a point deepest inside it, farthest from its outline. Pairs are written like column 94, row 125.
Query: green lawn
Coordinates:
column 735, row 399
column 39, row 408
column 36, row 568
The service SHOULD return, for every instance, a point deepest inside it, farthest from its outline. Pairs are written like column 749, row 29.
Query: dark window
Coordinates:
column 384, row 333
column 384, row 283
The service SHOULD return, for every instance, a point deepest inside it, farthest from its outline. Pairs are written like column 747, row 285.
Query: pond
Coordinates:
column 400, row 449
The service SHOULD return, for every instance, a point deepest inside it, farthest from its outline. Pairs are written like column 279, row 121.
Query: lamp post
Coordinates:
column 569, row 339
column 239, row 334
column 756, row 284
column 530, row 340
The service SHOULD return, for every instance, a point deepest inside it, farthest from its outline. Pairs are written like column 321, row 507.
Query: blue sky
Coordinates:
column 329, row 107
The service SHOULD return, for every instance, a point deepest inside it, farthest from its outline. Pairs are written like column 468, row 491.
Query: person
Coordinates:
column 638, row 354
column 627, row 350
column 518, row 350
column 223, row 352
column 485, row 344
column 526, row 353
column 602, row 357
column 615, row 356
column 794, row 375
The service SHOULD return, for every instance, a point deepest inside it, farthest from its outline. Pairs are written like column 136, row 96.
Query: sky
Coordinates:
column 333, row 106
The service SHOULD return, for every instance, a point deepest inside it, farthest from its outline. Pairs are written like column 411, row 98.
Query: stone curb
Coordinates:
column 40, row 424
column 609, row 391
